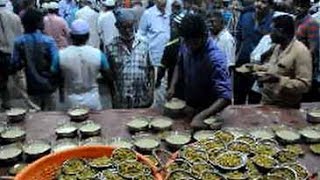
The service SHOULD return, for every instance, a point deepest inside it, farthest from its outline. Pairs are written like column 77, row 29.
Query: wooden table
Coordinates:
column 41, row 125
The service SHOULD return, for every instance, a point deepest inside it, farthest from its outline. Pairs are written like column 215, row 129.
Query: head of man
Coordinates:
column 282, row 29
column 53, row 7
column 216, row 22
column 161, row 5
column 176, row 7
column 3, row 3
column 194, row 32
column 108, row 4
column 262, row 7
column 32, row 21
column 125, row 23
column 301, row 7
column 79, row 32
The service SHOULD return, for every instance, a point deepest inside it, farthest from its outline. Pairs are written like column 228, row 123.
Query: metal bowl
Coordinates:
column 281, row 172
column 89, row 129
column 203, row 134
column 310, row 135
column 78, row 114
column 138, row 124
column 92, row 141
column 242, row 164
column 145, row 143
column 287, row 136
column 13, row 134
column 161, row 123
column 298, row 168
column 263, row 168
column 132, row 165
column 10, row 154
column 174, row 108
column 67, row 130
column 180, row 175
column 64, row 144
column 232, row 147
column 36, row 149
column 214, row 123
column 175, row 139
column 313, row 116
column 100, row 163
column 16, row 115
column 120, row 142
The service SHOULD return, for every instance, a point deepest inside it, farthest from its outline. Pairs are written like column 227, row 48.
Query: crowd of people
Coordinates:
column 211, row 53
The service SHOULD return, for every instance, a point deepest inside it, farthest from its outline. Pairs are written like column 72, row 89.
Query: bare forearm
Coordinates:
column 175, row 77
column 216, row 107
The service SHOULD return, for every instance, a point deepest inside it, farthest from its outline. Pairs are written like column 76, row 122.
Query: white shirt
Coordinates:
column 106, row 27
column 91, row 17
column 155, row 26
column 227, row 44
column 10, row 28
column 264, row 45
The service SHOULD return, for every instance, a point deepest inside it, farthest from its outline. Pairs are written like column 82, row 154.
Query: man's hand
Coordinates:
column 197, row 121
column 170, row 93
column 268, row 78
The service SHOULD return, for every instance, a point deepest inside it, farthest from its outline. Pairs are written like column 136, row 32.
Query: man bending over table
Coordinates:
column 201, row 77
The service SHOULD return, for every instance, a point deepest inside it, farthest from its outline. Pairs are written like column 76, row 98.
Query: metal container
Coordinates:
column 16, row 115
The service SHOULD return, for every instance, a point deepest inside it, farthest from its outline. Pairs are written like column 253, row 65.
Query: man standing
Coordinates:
column 35, row 52
column 10, row 28
column 155, row 26
column 202, row 72
column 91, row 17
column 80, row 65
column 56, row 26
column 106, row 22
column 131, row 64
column 224, row 39
column 307, row 31
column 289, row 71
column 252, row 26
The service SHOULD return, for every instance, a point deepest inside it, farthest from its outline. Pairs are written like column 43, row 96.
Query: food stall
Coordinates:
column 113, row 125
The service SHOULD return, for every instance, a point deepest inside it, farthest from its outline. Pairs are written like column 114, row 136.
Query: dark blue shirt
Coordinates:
column 249, row 34
column 205, row 76
column 35, row 52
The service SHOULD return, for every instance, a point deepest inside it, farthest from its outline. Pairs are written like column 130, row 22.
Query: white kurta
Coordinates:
column 91, row 17
column 106, row 27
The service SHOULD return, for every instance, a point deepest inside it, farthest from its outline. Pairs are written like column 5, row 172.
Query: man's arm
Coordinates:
column 221, row 85
column 107, row 73
column 143, row 24
column 15, row 62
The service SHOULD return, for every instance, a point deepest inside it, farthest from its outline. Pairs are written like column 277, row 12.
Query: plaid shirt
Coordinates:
column 132, row 69
column 308, row 33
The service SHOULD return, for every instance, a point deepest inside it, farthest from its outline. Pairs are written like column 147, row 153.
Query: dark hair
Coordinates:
column 79, row 39
column 53, row 11
column 286, row 24
column 216, row 14
column 302, row 3
column 32, row 20
column 193, row 26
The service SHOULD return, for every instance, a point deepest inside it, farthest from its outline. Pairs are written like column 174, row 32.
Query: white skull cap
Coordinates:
column 79, row 27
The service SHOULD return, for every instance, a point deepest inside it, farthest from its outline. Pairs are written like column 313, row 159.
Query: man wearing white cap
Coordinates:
column 10, row 27
column 106, row 22
column 91, row 17
column 56, row 26
column 80, row 65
